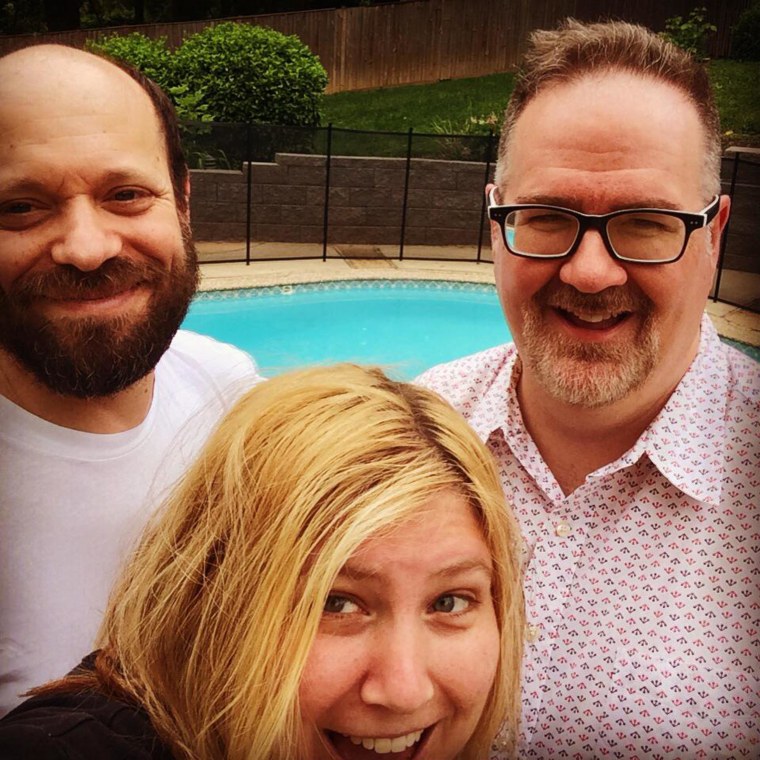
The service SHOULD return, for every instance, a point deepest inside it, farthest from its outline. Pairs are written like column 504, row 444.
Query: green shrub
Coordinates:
column 745, row 36
column 252, row 74
column 152, row 57
column 691, row 33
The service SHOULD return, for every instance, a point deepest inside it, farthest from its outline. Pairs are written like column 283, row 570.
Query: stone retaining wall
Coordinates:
column 367, row 197
column 365, row 205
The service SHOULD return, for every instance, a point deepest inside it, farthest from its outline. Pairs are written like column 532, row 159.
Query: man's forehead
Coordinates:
column 617, row 128
column 40, row 74
column 615, row 94
column 50, row 92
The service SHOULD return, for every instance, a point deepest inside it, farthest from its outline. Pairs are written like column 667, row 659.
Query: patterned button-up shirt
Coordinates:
column 643, row 585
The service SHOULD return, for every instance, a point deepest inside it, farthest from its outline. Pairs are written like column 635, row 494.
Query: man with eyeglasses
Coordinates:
column 626, row 433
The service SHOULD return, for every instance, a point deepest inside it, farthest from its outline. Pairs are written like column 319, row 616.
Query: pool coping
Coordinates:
column 730, row 321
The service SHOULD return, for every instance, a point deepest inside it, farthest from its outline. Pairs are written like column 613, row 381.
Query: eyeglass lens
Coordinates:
column 640, row 236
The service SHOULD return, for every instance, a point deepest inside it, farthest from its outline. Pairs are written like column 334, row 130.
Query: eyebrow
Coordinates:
column 565, row 202
column 27, row 185
column 359, row 573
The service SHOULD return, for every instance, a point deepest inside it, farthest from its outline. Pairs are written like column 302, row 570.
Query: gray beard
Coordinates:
column 590, row 375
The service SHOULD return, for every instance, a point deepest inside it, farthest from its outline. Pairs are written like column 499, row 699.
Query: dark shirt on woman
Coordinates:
column 85, row 725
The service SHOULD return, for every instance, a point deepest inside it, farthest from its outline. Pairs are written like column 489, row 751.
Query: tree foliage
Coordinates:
column 252, row 74
column 690, row 33
column 151, row 56
column 745, row 36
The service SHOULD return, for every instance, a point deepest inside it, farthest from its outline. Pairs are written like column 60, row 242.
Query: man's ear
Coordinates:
column 719, row 225
column 496, row 240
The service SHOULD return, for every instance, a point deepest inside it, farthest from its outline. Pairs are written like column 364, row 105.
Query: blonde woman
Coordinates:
column 336, row 578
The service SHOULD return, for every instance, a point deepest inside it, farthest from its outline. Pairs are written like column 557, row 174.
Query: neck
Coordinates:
column 575, row 441
column 108, row 414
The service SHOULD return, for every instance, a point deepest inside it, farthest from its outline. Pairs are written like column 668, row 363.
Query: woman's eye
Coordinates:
column 340, row 605
column 451, row 603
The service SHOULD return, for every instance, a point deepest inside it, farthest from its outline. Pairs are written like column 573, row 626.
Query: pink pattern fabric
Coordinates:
column 643, row 585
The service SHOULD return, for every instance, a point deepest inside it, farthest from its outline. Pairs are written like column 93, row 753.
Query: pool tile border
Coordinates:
column 337, row 285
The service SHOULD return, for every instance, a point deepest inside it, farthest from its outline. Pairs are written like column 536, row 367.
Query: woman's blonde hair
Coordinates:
column 210, row 626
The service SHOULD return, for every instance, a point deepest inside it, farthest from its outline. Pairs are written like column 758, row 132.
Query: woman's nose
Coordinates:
column 399, row 677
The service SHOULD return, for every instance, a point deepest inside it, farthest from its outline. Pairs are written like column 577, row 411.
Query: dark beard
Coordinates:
column 90, row 357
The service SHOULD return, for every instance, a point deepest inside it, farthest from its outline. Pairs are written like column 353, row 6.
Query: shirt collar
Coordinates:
column 684, row 442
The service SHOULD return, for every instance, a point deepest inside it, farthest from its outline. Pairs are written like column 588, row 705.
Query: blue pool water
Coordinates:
column 404, row 326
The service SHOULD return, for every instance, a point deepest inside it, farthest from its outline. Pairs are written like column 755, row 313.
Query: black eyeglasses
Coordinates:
column 638, row 235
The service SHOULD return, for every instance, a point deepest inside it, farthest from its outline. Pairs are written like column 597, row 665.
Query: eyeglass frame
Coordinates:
column 692, row 221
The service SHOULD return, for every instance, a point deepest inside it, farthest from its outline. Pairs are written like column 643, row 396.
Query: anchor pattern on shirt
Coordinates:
column 643, row 585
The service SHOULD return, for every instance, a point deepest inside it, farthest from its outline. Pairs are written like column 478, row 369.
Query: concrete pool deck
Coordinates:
column 270, row 269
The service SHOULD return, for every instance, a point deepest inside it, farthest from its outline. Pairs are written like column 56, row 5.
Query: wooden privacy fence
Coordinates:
column 426, row 40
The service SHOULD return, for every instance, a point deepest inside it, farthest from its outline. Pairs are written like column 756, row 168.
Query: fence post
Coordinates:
column 327, row 191
column 249, row 194
column 489, row 153
column 406, row 193
column 724, row 237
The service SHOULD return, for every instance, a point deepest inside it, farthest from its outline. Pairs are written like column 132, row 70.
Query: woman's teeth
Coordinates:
column 384, row 745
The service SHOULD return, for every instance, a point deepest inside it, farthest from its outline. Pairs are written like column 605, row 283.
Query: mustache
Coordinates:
column 615, row 299
column 67, row 282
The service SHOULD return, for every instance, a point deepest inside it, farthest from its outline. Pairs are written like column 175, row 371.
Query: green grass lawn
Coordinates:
column 737, row 93
column 439, row 107
column 450, row 106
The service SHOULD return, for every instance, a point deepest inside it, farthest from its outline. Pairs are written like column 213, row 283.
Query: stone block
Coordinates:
column 428, row 175
column 377, row 196
column 352, row 177
column 287, row 160
column 339, row 196
column 391, row 177
column 218, row 231
column 284, row 194
column 379, row 216
column 306, row 175
column 267, row 174
column 233, row 193
column 202, row 187
column 217, row 212
column 445, row 218
column 473, row 180
column 348, row 216
column 445, row 199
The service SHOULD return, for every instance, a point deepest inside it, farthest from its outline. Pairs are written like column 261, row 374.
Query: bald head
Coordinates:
column 43, row 82
column 62, row 72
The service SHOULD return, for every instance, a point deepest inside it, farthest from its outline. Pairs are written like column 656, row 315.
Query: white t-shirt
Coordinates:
column 72, row 505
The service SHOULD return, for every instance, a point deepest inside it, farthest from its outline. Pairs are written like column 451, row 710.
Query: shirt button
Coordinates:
column 532, row 632
column 563, row 529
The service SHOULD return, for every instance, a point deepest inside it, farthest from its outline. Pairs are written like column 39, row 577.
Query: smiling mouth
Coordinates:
column 95, row 294
column 402, row 747
column 601, row 320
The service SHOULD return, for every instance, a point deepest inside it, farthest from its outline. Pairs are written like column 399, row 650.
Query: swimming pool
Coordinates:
column 403, row 325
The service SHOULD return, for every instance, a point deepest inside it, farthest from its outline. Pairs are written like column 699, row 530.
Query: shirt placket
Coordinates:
column 550, row 574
